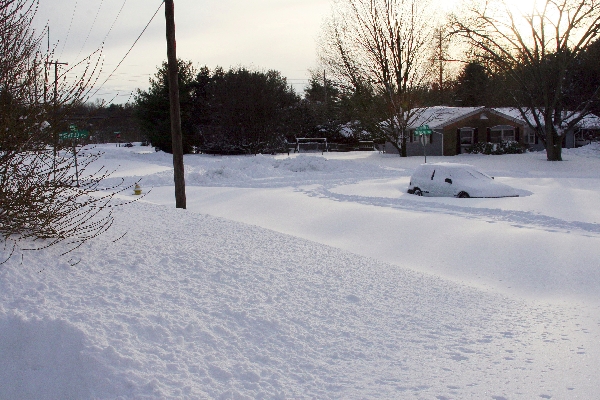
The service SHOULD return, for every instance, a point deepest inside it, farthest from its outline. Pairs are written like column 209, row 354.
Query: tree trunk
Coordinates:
column 397, row 147
column 553, row 146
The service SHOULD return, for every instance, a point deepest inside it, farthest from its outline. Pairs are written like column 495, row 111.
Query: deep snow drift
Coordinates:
column 316, row 277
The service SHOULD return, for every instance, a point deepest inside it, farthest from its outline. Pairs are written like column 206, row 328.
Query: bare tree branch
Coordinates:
column 383, row 45
column 44, row 200
column 538, row 52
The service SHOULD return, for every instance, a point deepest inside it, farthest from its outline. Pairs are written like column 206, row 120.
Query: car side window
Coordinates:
column 439, row 175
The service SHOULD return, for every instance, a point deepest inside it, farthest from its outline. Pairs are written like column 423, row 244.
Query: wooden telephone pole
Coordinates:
column 55, row 111
column 56, row 64
column 176, row 136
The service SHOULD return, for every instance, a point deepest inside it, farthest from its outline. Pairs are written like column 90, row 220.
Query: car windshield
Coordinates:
column 423, row 172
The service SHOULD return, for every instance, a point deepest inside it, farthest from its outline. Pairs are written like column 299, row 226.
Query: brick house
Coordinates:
column 455, row 129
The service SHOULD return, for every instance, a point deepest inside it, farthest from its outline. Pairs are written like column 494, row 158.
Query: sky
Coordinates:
column 258, row 34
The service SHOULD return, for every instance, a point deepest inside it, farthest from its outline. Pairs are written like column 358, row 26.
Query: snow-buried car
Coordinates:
column 456, row 180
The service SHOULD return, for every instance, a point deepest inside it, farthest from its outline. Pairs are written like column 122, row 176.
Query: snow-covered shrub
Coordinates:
column 505, row 147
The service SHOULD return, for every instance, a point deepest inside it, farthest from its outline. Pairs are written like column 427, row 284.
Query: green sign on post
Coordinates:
column 423, row 131
column 73, row 133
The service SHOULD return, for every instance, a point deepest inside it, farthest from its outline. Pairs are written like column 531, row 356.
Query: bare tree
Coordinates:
column 48, row 189
column 537, row 52
column 381, row 46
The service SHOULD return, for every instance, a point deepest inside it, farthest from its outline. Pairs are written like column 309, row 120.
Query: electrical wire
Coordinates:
column 68, row 30
column 129, row 51
column 115, row 21
column 90, row 31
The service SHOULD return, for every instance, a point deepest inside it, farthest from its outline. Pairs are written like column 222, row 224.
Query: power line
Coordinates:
column 90, row 31
column 68, row 30
column 129, row 51
column 88, row 35
column 115, row 21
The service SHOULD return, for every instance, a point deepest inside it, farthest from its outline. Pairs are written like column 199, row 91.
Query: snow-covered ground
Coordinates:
column 316, row 276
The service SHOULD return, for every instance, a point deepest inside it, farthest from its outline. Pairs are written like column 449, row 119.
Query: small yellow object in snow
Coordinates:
column 137, row 190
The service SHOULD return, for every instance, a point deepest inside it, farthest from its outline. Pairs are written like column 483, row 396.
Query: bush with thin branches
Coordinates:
column 49, row 187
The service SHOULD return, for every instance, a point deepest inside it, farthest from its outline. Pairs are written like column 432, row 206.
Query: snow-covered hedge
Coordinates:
column 508, row 147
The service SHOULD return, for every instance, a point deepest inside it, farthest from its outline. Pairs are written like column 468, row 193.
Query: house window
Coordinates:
column 530, row 137
column 466, row 139
column 502, row 133
column 466, row 136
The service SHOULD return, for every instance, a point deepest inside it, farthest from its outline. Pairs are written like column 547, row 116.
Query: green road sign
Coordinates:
column 423, row 130
column 73, row 133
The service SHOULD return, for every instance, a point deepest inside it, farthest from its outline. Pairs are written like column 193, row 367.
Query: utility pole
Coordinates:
column 325, row 102
column 35, row 81
column 46, row 70
column 325, row 87
column 441, row 66
column 56, row 64
column 176, row 136
column 55, row 112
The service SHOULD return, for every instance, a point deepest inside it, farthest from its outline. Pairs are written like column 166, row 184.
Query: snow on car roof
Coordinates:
column 450, row 165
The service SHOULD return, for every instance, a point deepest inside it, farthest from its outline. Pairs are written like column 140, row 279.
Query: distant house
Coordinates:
column 587, row 130
column 455, row 129
column 580, row 135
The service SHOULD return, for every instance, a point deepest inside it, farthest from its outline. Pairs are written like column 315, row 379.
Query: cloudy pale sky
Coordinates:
column 260, row 34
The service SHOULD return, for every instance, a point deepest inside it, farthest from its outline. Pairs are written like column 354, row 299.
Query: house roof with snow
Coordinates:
column 440, row 116
column 590, row 121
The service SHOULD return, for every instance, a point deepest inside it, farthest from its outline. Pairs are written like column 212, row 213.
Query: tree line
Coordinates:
column 241, row 111
column 234, row 112
column 383, row 63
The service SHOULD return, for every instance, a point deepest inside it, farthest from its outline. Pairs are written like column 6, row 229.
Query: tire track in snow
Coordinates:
column 519, row 219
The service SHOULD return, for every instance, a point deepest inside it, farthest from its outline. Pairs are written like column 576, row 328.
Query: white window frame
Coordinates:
column 503, row 129
column 464, row 146
column 467, row 130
